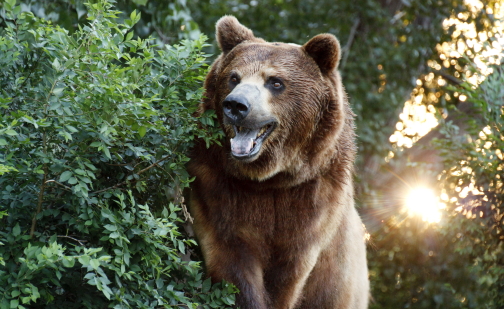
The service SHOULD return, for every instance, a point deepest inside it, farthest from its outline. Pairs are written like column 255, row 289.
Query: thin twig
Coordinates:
column 79, row 241
column 453, row 80
column 187, row 215
column 125, row 164
column 39, row 201
column 58, row 183
column 109, row 188
column 179, row 198
column 165, row 39
column 346, row 49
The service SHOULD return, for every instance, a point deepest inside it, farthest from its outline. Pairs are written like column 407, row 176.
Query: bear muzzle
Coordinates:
column 244, row 109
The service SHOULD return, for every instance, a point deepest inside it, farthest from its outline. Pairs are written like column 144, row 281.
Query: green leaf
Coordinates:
column 65, row 176
column 68, row 262
column 110, row 227
column 3, row 142
column 80, row 172
column 107, row 152
column 142, row 131
column 207, row 284
column 10, row 4
column 140, row 2
column 129, row 36
column 16, row 231
column 56, row 65
column 181, row 247
column 84, row 260
column 71, row 129
column 95, row 263
column 58, row 91
column 159, row 283
column 14, row 303
column 11, row 132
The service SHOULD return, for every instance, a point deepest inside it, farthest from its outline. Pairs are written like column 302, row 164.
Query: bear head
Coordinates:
column 282, row 106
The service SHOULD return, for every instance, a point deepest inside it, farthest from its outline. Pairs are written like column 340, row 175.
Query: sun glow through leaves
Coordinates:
column 485, row 48
column 424, row 202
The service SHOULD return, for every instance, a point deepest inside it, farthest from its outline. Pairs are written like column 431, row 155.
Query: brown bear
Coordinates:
column 273, row 205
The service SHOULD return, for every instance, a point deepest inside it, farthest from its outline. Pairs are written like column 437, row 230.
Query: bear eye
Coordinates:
column 234, row 79
column 275, row 84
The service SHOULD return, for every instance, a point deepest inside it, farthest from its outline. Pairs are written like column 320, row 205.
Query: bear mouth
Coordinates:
column 247, row 142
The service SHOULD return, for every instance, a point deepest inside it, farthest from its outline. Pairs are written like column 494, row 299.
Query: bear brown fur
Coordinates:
column 273, row 206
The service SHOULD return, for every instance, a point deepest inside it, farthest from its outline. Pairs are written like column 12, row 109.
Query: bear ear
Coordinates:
column 325, row 50
column 229, row 33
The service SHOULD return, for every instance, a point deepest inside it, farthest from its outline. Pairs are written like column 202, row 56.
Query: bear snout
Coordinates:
column 246, row 106
column 236, row 108
column 239, row 103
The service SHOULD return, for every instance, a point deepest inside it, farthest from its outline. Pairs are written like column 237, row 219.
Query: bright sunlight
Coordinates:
column 424, row 202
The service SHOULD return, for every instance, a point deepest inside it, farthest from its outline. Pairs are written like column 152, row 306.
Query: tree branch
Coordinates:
column 346, row 49
column 451, row 79
column 75, row 239
column 58, row 183
column 40, row 198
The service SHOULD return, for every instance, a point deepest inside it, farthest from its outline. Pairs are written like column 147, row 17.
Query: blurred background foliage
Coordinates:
column 425, row 80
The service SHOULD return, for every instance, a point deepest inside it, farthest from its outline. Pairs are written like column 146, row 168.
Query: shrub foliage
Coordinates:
column 94, row 127
column 472, row 180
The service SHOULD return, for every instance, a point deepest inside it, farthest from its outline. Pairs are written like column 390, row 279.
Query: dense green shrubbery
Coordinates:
column 94, row 128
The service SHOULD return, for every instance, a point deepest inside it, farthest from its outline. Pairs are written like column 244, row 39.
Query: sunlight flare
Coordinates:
column 423, row 202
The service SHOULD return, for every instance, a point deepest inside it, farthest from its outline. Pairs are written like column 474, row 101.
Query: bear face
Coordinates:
column 268, row 98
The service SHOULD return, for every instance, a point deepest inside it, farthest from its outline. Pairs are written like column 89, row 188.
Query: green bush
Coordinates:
column 94, row 130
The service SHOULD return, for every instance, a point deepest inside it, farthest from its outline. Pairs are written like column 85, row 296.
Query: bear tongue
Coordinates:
column 243, row 142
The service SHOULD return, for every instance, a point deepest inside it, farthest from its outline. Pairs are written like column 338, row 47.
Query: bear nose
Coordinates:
column 236, row 108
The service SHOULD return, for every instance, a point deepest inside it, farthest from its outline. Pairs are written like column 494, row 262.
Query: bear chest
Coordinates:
column 239, row 211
